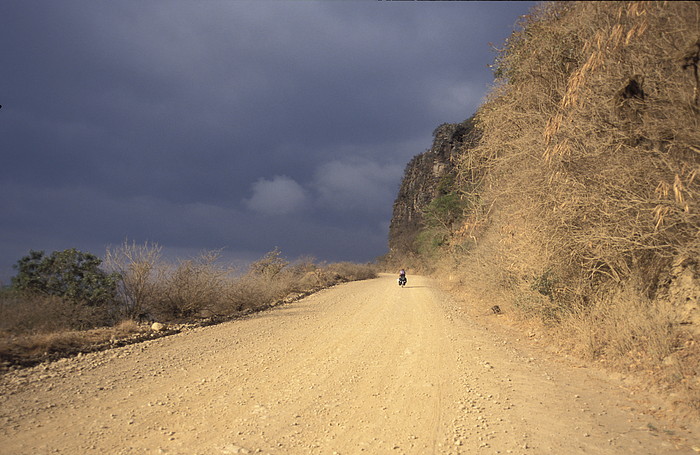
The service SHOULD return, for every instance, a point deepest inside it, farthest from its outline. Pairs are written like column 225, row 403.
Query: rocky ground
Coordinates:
column 365, row 367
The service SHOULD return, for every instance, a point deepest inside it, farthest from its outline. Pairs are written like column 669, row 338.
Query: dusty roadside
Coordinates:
column 364, row 367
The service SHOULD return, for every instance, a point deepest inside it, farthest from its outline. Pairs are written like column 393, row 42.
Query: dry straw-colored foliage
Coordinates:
column 139, row 266
column 198, row 290
column 587, row 170
column 591, row 139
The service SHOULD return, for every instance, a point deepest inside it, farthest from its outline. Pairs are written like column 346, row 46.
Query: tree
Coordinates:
column 444, row 211
column 69, row 274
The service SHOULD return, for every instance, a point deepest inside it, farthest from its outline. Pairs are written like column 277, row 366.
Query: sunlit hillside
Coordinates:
column 581, row 199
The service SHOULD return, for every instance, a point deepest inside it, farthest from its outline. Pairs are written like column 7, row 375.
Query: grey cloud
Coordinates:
column 357, row 185
column 156, row 120
column 277, row 196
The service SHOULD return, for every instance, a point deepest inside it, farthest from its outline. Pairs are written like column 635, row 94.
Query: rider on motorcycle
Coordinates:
column 402, row 277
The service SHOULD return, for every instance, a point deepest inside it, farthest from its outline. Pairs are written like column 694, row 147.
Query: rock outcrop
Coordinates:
column 421, row 183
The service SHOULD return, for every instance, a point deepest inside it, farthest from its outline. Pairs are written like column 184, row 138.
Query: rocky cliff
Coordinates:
column 423, row 181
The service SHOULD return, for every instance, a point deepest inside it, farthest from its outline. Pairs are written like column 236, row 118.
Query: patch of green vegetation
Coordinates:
column 70, row 274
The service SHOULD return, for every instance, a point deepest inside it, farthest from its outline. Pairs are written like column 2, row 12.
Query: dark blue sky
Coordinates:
column 243, row 125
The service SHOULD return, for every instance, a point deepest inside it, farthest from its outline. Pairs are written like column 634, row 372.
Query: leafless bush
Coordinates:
column 252, row 292
column 269, row 265
column 273, row 279
column 140, row 269
column 306, row 275
column 267, row 281
column 192, row 287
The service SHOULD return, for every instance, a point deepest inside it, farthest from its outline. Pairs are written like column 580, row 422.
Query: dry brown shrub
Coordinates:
column 350, row 271
column 253, row 292
column 267, row 280
column 625, row 327
column 261, row 288
column 201, row 287
column 140, row 268
column 192, row 288
column 25, row 313
column 587, row 171
column 126, row 327
column 589, row 146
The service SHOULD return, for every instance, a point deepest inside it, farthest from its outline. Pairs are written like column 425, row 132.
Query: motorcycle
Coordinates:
column 402, row 281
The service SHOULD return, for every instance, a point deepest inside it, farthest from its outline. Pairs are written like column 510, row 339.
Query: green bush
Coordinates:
column 444, row 211
column 70, row 274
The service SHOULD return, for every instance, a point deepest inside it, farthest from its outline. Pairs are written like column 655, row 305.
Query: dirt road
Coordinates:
column 364, row 367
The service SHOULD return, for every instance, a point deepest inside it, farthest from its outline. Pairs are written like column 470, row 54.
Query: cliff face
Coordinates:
column 421, row 183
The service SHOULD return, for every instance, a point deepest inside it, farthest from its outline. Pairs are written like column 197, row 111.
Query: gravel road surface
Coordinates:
column 364, row 367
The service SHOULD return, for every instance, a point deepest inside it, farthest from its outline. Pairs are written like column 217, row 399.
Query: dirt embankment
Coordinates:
column 365, row 367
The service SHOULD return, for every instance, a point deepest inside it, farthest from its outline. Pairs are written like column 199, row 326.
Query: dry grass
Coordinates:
column 257, row 290
column 587, row 177
column 628, row 332
column 621, row 326
column 201, row 289
column 30, row 349
column 349, row 271
column 22, row 313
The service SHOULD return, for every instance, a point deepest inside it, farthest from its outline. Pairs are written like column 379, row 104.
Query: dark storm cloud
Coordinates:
column 244, row 125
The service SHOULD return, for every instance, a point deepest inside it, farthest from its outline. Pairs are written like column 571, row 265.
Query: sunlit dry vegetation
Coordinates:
column 36, row 325
column 587, row 180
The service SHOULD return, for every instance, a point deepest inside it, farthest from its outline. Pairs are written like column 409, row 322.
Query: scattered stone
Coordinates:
column 157, row 327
